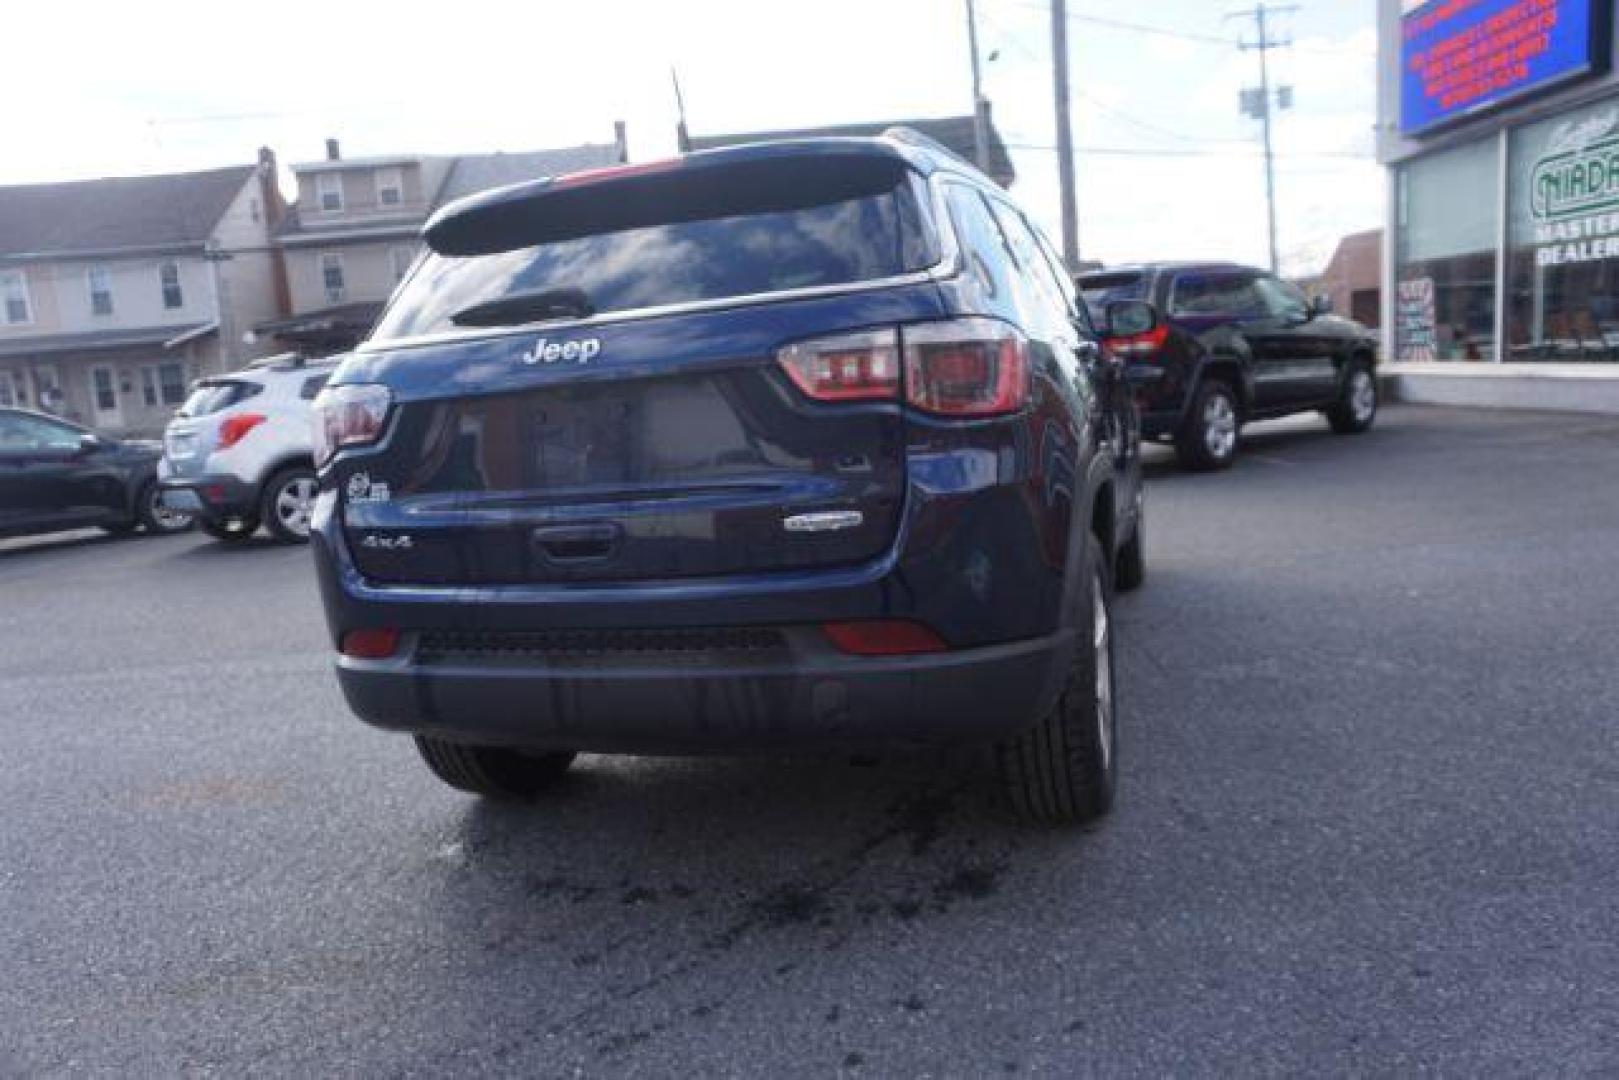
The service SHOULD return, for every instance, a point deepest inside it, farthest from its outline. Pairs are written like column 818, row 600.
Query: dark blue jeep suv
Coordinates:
column 800, row 444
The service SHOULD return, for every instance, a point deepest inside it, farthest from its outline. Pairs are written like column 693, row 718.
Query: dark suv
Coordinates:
column 1236, row 345
column 802, row 444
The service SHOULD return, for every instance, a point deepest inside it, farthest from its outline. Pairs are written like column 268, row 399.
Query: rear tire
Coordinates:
column 231, row 530
column 289, row 499
column 1130, row 567
column 1356, row 408
column 493, row 772
column 155, row 518
column 1208, row 440
column 1063, row 770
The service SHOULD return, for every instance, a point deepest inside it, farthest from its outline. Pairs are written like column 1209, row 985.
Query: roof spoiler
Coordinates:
column 760, row 178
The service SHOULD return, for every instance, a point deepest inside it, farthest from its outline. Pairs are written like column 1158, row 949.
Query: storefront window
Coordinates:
column 1563, row 237
column 1449, row 221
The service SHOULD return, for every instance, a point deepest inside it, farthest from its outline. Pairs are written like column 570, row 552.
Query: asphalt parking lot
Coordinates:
column 1368, row 822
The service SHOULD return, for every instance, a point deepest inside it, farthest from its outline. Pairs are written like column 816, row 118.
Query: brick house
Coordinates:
column 115, row 294
column 1354, row 278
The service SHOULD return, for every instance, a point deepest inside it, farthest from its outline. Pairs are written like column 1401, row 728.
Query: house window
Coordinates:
column 390, row 187
column 331, row 276
column 100, row 291
column 171, row 379
column 14, row 287
column 329, row 190
column 9, row 396
column 169, row 274
column 149, row 388
column 400, row 258
column 106, row 391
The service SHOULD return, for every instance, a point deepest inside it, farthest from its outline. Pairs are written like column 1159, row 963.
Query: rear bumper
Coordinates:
column 215, row 497
column 804, row 699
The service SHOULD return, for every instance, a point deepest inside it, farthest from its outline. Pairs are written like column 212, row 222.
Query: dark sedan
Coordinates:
column 55, row 475
column 1235, row 345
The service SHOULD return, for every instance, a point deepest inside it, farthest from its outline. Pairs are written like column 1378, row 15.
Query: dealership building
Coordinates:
column 1499, row 123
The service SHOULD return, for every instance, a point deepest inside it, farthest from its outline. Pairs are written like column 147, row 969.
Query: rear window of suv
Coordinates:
column 217, row 394
column 837, row 243
column 1100, row 290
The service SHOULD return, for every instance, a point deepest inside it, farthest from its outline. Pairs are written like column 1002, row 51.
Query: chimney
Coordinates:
column 270, row 187
column 332, row 153
column 275, row 208
column 621, row 142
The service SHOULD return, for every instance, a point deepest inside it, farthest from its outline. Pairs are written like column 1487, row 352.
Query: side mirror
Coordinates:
column 1320, row 304
column 1130, row 318
column 90, row 442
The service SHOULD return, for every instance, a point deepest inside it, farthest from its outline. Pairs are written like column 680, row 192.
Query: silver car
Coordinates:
column 238, row 453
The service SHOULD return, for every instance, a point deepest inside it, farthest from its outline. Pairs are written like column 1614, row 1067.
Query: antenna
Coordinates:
column 682, row 136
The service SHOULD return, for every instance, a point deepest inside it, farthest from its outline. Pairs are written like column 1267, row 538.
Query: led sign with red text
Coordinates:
column 1461, row 56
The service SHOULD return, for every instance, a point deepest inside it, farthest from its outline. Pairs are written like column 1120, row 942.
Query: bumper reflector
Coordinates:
column 884, row 637
column 370, row 644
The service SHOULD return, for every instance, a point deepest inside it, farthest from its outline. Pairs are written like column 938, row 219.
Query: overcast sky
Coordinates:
column 115, row 88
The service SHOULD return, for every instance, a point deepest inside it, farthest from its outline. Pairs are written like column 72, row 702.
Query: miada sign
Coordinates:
column 1578, row 181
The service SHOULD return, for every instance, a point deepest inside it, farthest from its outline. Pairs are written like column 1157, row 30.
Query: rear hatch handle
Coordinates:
column 574, row 545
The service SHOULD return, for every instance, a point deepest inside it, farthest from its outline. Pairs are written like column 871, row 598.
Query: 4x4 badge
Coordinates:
column 546, row 351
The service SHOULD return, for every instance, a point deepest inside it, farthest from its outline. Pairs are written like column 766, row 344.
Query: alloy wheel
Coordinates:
column 295, row 504
column 1219, row 427
column 1102, row 636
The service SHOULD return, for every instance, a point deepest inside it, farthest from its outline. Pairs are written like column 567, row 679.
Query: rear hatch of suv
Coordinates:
column 663, row 373
column 194, row 433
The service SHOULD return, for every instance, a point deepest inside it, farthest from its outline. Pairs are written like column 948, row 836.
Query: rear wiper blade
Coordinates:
column 526, row 307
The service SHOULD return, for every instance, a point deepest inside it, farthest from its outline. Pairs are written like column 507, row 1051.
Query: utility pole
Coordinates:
column 980, row 119
column 1065, row 134
column 1260, row 104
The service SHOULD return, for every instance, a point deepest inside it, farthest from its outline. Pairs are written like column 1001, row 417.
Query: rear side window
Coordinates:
column 1234, row 295
column 839, row 242
column 984, row 244
column 217, row 394
column 313, row 385
column 1033, row 260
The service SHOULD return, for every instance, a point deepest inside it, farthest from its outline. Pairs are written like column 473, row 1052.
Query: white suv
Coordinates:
column 238, row 453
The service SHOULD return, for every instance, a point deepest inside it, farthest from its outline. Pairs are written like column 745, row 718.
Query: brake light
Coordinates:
column 349, row 415
column 1138, row 346
column 614, row 172
column 371, row 644
column 884, row 637
column 966, row 367
column 233, row 429
column 849, row 367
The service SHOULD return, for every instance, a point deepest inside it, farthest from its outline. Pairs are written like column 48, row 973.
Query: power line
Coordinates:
column 1134, row 27
column 1154, row 151
column 1180, row 35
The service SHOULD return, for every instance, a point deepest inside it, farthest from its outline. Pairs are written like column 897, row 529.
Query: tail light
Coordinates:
column 1140, row 346
column 376, row 644
column 884, row 637
column 967, row 367
column 233, row 429
column 349, row 415
column 850, row 367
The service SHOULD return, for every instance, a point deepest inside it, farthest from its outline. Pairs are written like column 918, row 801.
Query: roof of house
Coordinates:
column 92, row 340
column 357, row 315
column 954, row 132
column 472, row 173
column 177, row 210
